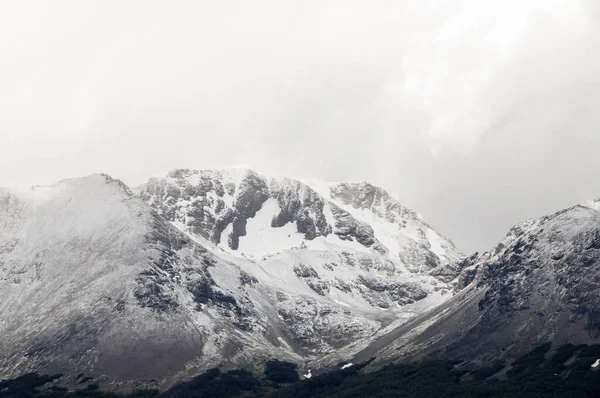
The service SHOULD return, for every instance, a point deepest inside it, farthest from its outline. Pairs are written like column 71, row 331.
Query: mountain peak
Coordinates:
column 220, row 205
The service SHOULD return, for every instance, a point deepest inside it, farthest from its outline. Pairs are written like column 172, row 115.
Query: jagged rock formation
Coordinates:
column 206, row 268
column 211, row 203
column 358, row 227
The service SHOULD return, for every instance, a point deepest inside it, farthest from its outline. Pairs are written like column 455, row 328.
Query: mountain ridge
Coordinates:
column 232, row 268
column 109, row 284
column 539, row 285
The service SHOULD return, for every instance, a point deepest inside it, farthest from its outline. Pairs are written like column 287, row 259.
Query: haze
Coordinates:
column 477, row 114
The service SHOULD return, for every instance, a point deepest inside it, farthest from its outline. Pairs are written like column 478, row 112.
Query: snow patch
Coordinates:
column 262, row 240
column 341, row 303
column 347, row 366
column 436, row 243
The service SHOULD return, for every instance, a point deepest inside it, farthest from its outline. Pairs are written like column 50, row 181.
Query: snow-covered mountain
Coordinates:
column 540, row 284
column 203, row 268
column 312, row 225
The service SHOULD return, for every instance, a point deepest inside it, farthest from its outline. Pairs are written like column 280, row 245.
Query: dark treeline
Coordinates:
column 565, row 372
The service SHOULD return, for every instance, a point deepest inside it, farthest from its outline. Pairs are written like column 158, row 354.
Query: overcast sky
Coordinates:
column 477, row 114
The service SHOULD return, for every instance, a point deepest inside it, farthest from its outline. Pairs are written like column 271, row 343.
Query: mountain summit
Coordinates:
column 254, row 215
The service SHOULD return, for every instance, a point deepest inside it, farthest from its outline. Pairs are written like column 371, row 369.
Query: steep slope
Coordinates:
column 94, row 281
column 403, row 233
column 540, row 284
column 201, row 269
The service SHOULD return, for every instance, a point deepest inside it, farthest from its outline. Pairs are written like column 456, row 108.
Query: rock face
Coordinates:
column 206, row 268
column 213, row 203
column 353, row 233
column 540, row 284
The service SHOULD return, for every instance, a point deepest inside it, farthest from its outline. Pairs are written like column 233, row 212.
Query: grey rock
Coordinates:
column 539, row 285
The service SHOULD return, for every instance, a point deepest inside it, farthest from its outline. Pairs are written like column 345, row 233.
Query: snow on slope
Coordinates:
column 394, row 224
column 93, row 281
column 349, row 244
column 263, row 240
column 185, row 195
column 540, row 284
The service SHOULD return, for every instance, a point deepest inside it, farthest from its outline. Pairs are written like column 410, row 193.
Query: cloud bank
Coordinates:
column 478, row 114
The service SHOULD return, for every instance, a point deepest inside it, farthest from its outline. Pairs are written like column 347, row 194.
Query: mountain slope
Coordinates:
column 541, row 283
column 93, row 281
column 202, row 269
column 264, row 219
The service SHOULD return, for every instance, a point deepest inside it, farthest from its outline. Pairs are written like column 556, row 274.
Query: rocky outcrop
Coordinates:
column 540, row 284
column 367, row 196
column 251, row 193
column 349, row 228
column 300, row 204
column 202, row 196
column 207, row 203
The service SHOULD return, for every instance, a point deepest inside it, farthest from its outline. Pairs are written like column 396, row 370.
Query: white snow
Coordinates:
column 347, row 366
column 392, row 234
column 308, row 375
column 262, row 240
column 342, row 303
column 592, row 204
column 40, row 194
column 225, row 238
column 596, row 364
column 436, row 242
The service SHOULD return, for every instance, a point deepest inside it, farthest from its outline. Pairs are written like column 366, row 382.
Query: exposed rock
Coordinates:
column 302, row 205
column 348, row 228
column 305, row 271
column 540, row 284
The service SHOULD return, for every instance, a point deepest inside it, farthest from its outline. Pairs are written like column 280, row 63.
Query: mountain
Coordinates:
column 314, row 225
column 199, row 269
column 540, row 284
column 219, row 205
